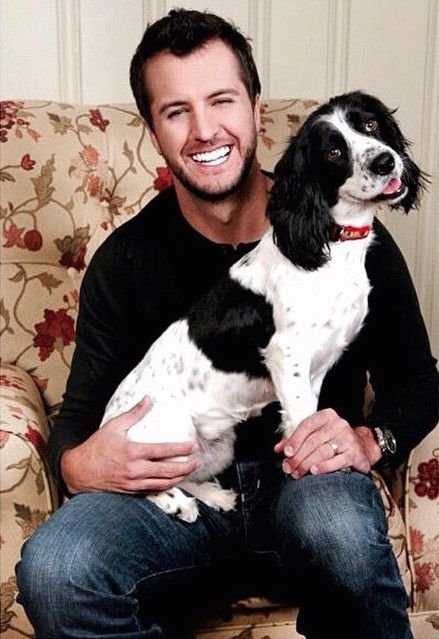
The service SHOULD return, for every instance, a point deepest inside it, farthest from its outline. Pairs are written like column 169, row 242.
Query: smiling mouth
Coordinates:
column 395, row 190
column 394, row 195
column 212, row 158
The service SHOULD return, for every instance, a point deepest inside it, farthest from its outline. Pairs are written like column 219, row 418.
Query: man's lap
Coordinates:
column 94, row 534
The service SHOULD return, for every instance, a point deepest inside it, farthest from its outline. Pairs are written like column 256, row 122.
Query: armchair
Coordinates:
column 70, row 175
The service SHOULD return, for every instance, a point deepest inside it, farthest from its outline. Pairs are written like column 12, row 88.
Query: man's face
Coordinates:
column 204, row 123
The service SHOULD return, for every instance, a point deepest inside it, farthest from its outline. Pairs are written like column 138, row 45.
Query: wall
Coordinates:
column 79, row 51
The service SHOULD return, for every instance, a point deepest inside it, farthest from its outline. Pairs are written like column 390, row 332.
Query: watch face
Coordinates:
column 390, row 441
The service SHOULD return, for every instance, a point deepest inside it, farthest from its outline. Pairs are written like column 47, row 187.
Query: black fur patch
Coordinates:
column 229, row 325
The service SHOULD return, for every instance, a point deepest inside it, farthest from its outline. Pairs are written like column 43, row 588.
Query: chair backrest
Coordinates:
column 71, row 174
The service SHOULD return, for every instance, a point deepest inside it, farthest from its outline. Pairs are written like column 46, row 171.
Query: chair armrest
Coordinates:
column 422, row 521
column 27, row 494
column 24, row 421
column 22, row 402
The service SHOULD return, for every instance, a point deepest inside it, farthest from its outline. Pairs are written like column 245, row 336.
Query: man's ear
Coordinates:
column 257, row 113
column 154, row 140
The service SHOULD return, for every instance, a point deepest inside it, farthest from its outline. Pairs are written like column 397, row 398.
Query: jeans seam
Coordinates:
column 165, row 572
column 143, row 579
column 243, row 508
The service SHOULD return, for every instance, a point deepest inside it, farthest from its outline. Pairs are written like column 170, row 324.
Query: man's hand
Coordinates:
column 109, row 461
column 310, row 448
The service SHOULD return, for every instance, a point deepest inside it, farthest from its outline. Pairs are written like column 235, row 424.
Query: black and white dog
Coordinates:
column 282, row 315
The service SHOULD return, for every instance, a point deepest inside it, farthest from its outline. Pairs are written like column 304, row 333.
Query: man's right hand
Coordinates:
column 109, row 461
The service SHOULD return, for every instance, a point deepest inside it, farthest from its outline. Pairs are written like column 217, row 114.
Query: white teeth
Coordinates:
column 212, row 157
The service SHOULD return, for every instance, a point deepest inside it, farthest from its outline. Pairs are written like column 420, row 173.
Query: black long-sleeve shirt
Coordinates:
column 151, row 270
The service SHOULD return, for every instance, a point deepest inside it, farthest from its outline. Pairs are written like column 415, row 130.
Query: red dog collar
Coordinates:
column 339, row 233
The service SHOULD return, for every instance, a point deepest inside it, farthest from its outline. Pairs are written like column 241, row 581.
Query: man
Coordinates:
column 109, row 563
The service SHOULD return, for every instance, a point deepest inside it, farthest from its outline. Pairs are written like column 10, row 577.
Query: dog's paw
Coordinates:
column 212, row 494
column 175, row 502
column 223, row 500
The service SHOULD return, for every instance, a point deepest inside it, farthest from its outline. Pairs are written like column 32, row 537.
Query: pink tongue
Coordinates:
column 392, row 186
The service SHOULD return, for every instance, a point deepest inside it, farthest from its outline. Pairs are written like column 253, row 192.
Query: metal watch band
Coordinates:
column 385, row 440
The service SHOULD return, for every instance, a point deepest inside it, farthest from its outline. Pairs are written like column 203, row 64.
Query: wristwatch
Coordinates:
column 386, row 441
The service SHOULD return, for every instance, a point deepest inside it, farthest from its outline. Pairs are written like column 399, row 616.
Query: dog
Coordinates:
column 282, row 315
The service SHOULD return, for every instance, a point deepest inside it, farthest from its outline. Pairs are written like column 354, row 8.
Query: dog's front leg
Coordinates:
column 289, row 366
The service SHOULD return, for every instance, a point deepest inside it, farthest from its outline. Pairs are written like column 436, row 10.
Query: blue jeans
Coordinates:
column 112, row 565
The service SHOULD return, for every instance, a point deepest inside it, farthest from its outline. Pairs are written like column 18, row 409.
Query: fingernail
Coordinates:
column 286, row 467
column 314, row 470
column 295, row 475
column 288, row 451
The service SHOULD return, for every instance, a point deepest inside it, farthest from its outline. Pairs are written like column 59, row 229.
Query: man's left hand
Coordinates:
column 324, row 442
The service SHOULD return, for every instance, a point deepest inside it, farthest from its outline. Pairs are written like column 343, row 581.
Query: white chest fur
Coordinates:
column 316, row 315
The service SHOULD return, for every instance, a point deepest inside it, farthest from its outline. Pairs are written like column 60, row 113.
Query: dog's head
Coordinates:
column 349, row 155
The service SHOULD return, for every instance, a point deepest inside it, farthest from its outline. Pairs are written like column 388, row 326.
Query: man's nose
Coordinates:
column 204, row 124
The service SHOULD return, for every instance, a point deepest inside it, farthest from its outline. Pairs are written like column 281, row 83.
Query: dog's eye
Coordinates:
column 333, row 154
column 370, row 126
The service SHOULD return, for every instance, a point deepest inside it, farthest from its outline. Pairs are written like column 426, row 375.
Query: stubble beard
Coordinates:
column 216, row 193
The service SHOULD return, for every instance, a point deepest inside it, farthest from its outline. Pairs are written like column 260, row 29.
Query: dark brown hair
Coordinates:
column 181, row 32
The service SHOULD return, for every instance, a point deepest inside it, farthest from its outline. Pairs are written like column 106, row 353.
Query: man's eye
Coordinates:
column 333, row 154
column 175, row 113
column 223, row 101
column 370, row 126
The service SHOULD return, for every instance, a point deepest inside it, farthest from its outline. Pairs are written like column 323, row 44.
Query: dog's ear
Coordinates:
column 415, row 179
column 298, row 210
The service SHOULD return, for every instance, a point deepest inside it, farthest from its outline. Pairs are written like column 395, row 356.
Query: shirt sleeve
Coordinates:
column 106, row 348
column 397, row 352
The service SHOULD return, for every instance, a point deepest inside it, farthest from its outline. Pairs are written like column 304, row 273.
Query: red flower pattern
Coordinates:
column 11, row 382
column 8, row 117
column 33, row 240
column 97, row 120
column 56, row 332
column 27, row 163
column 90, row 156
column 424, row 576
column 4, row 436
column 416, row 541
column 427, row 481
column 13, row 236
column 163, row 179
column 74, row 258
column 34, row 436
column 94, row 184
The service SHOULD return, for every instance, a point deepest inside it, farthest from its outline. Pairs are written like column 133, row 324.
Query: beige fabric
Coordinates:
column 71, row 174
column 422, row 508
column 27, row 492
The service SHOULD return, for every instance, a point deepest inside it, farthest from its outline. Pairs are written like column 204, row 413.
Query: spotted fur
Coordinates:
column 281, row 316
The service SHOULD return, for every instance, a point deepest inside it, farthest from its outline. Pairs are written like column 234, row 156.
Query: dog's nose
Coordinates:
column 383, row 164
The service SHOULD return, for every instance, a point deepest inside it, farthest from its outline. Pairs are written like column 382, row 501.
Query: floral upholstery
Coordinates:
column 70, row 175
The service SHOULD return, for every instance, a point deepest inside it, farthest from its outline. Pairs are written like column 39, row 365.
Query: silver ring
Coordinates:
column 334, row 447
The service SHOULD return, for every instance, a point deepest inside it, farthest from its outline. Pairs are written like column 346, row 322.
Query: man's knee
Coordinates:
column 39, row 573
column 339, row 527
column 64, row 551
